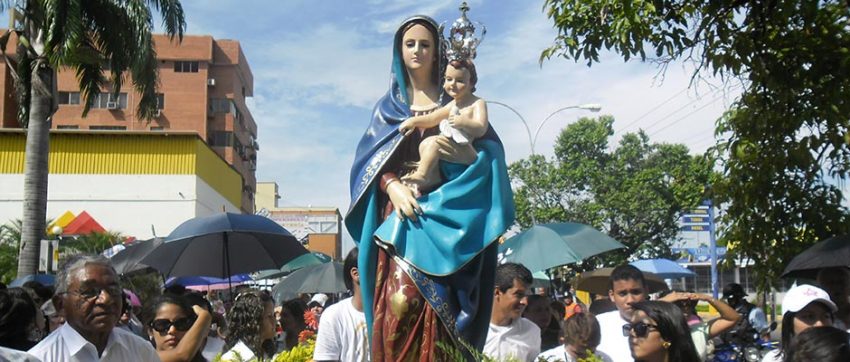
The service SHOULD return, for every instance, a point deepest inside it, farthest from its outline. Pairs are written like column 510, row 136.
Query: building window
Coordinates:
column 69, row 97
column 160, row 101
column 108, row 128
column 220, row 105
column 107, row 100
column 157, row 128
column 67, row 126
column 221, row 139
column 186, row 67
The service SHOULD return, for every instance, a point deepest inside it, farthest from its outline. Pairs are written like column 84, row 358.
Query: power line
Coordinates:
column 686, row 115
column 653, row 110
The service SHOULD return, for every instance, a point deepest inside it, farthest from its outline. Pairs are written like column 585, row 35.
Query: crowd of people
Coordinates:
column 88, row 316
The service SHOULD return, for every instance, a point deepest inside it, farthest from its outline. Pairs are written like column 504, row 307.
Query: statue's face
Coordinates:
column 457, row 83
column 418, row 48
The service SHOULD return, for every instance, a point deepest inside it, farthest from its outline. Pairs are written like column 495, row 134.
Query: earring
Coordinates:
column 665, row 344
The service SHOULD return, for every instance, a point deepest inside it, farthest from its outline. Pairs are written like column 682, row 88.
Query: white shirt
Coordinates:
column 613, row 342
column 8, row 354
column 520, row 340
column 559, row 354
column 67, row 345
column 239, row 352
column 342, row 334
column 213, row 347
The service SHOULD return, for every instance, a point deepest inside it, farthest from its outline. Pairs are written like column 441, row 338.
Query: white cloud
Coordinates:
column 326, row 65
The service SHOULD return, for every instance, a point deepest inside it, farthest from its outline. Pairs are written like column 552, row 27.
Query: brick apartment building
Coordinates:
column 202, row 88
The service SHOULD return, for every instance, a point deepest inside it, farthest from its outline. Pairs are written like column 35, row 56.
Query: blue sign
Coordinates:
column 702, row 254
column 696, row 219
column 704, row 227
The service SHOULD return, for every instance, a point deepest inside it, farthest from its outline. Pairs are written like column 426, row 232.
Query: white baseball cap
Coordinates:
column 319, row 298
column 802, row 295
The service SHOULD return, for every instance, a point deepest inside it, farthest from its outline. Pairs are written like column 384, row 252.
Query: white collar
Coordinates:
column 76, row 342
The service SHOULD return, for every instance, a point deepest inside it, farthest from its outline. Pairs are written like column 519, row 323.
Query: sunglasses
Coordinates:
column 163, row 325
column 641, row 329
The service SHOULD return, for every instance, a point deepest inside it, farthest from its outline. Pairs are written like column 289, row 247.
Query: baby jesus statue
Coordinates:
column 461, row 121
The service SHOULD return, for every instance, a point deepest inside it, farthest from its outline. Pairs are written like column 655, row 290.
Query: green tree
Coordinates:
column 92, row 243
column 634, row 193
column 10, row 238
column 785, row 141
column 87, row 37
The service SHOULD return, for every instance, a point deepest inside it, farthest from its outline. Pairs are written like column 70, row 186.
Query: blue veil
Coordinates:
column 450, row 253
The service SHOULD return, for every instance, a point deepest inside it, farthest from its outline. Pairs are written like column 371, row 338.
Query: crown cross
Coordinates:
column 461, row 43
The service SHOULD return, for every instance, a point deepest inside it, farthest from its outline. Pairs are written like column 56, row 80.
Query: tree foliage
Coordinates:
column 786, row 138
column 90, row 38
column 635, row 193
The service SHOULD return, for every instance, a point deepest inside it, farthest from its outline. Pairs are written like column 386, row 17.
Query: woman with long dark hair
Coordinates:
column 658, row 333
column 821, row 344
column 18, row 315
column 251, row 329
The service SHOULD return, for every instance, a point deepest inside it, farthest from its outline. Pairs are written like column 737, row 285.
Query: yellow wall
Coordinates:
column 128, row 153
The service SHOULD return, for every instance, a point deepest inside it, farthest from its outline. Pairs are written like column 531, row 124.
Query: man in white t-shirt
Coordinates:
column 342, row 329
column 626, row 286
column 510, row 335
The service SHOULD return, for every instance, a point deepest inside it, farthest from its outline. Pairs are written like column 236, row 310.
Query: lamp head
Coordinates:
column 593, row 107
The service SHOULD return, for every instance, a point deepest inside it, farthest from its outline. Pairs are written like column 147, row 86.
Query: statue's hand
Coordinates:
column 407, row 127
column 451, row 152
column 404, row 201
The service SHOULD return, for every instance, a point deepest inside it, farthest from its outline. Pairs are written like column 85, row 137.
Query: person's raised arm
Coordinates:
column 728, row 315
column 192, row 341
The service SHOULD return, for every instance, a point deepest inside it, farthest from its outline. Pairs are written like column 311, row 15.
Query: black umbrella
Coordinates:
column 129, row 260
column 832, row 252
column 223, row 245
column 319, row 278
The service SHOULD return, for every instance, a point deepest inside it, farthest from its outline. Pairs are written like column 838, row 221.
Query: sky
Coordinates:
column 320, row 66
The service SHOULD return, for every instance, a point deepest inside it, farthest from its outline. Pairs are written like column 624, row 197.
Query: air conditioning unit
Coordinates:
column 111, row 105
column 211, row 82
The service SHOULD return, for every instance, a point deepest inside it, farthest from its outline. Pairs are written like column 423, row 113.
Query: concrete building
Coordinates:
column 318, row 228
column 134, row 182
column 203, row 84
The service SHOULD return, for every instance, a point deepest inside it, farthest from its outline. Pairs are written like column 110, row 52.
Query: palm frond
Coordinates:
column 88, row 64
column 173, row 18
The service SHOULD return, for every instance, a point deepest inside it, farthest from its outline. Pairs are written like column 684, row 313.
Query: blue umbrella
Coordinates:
column 44, row 279
column 663, row 268
column 224, row 244
column 547, row 246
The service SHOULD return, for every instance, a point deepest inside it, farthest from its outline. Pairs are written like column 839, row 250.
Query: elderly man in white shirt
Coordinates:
column 510, row 335
column 88, row 293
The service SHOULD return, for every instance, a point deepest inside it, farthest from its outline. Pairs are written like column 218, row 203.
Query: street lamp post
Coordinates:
column 593, row 107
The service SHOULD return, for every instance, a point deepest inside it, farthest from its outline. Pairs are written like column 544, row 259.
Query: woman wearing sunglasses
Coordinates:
column 178, row 331
column 658, row 333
